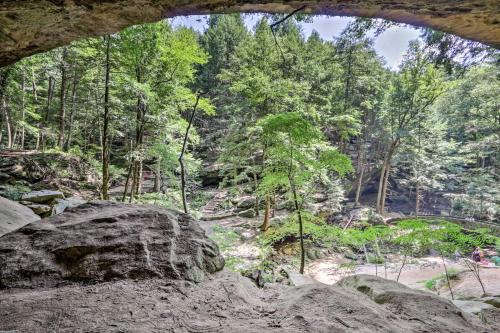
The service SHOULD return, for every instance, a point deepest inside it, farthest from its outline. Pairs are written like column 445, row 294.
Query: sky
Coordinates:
column 391, row 44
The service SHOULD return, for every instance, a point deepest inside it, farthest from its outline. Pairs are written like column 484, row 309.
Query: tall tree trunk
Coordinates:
column 23, row 111
column 4, row 77
column 359, row 185
column 14, row 136
column 7, row 120
column 181, row 156
column 127, row 181
column 134, row 182
column 256, row 187
column 34, row 91
column 62, row 105
column 417, row 198
column 44, row 124
column 381, row 186
column 105, row 134
column 301, row 229
column 384, row 189
column 265, row 224
column 138, row 189
column 157, row 184
column 384, row 177
column 67, row 145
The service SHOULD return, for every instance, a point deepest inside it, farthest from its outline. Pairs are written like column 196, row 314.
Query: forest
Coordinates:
column 425, row 136
column 293, row 153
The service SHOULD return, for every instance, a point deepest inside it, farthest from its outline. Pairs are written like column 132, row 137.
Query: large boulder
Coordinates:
column 104, row 241
column 248, row 213
column 245, row 202
column 14, row 215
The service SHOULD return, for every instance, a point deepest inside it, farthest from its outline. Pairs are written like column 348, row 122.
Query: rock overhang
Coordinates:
column 28, row 26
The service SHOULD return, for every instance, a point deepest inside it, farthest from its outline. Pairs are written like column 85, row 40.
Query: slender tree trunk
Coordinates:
column 474, row 268
column 301, row 230
column 359, row 185
column 4, row 76
column 384, row 191
column 139, row 178
column 62, row 105
column 348, row 79
column 157, row 185
column 265, row 224
column 479, row 278
column 6, row 117
column 360, row 169
column 23, row 111
column 181, row 156
column 67, row 145
column 105, row 134
column 417, row 198
column 44, row 124
column 447, row 277
column 14, row 137
column 384, row 177
column 134, row 181
column 256, row 186
column 274, row 204
column 381, row 186
column 127, row 181
column 35, row 97
column 401, row 268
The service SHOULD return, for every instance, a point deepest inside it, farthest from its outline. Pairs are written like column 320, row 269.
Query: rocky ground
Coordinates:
column 77, row 272
column 239, row 240
column 113, row 267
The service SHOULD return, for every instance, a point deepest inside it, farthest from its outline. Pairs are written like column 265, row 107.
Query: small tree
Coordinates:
column 413, row 236
column 296, row 153
column 442, row 242
column 379, row 236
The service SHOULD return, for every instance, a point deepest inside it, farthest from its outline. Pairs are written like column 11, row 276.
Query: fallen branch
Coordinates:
column 275, row 24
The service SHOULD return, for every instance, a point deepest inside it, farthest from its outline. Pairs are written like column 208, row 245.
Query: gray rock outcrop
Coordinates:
column 104, row 241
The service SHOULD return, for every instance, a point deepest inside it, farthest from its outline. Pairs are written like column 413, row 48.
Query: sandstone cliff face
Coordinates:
column 32, row 26
column 105, row 241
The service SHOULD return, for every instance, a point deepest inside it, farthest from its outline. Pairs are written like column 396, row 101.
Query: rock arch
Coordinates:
column 32, row 26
